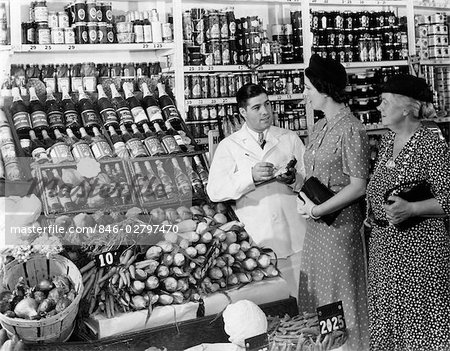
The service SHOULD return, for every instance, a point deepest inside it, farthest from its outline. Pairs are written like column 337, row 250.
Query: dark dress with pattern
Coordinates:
column 333, row 265
column 409, row 270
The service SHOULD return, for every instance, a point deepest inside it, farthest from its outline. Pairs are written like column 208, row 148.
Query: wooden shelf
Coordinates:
column 67, row 48
column 232, row 100
column 375, row 64
column 438, row 62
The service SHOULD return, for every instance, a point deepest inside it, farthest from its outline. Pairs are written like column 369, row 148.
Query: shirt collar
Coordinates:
column 255, row 134
column 340, row 114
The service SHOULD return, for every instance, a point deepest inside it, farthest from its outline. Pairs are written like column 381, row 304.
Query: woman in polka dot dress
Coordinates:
column 333, row 264
column 409, row 268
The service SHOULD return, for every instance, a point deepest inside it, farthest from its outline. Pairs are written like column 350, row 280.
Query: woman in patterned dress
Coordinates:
column 333, row 264
column 409, row 268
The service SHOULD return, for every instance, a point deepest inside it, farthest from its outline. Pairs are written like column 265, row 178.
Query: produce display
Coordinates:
column 301, row 333
column 46, row 299
column 204, row 253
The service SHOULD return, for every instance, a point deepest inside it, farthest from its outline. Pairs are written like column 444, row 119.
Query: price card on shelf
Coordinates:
column 106, row 259
column 331, row 317
column 257, row 343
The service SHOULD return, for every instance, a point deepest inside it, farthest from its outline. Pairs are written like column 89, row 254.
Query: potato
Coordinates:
column 158, row 215
column 184, row 212
column 209, row 211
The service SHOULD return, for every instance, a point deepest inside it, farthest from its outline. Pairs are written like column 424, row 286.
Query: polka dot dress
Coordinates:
column 409, row 270
column 333, row 263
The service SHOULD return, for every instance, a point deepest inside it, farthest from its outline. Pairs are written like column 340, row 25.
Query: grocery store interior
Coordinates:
column 110, row 117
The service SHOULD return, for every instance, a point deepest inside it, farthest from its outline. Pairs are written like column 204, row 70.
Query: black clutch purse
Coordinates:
column 411, row 192
column 318, row 193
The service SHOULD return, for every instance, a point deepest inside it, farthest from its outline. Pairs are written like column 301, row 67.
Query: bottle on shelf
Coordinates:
column 76, row 77
column 38, row 149
column 106, row 109
column 181, row 180
column 138, row 27
column 89, row 117
column 26, row 146
column 99, row 146
column 152, row 142
column 46, row 139
column 63, row 77
column 156, row 184
column 80, row 147
column 37, row 112
column 137, row 133
column 48, row 76
column 167, row 105
column 196, row 182
column 137, row 111
column 169, row 142
column 143, row 184
column 121, row 107
column 85, row 136
column 151, row 105
column 147, row 27
column 54, row 112
column 201, row 171
column 20, row 114
column 60, row 150
column 170, row 189
column 50, row 185
column 156, row 27
column 134, row 145
column 70, row 112
column 119, row 146
column 177, row 137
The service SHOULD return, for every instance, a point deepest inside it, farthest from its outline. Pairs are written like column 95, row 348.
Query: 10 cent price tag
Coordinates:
column 107, row 259
column 331, row 317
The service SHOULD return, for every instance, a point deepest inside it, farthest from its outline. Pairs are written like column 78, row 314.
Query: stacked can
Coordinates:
column 289, row 115
column 432, row 36
column 248, row 40
column 3, row 25
column 212, row 85
column 281, row 82
column 359, row 36
column 439, row 78
column 297, row 38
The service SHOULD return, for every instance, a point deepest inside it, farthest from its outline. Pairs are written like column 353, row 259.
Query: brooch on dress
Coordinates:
column 390, row 163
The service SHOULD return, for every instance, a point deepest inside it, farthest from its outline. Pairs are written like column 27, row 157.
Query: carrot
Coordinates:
column 108, row 275
column 89, row 285
column 132, row 270
column 92, row 306
column 111, row 302
column 108, row 308
column 128, row 280
column 96, row 284
column 88, row 274
column 87, row 267
column 125, row 257
column 130, row 261
column 115, row 278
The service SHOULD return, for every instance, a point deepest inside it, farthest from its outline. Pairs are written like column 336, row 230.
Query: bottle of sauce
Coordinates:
column 99, row 146
column 137, row 111
column 119, row 146
column 106, row 109
column 121, row 107
column 70, row 113
column 20, row 114
column 134, row 145
column 167, row 140
column 54, row 112
column 89, row 117
column 152, row 142
column 80, row 148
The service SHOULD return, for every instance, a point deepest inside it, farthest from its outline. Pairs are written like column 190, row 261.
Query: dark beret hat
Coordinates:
column 328, row 70
column 408, row 85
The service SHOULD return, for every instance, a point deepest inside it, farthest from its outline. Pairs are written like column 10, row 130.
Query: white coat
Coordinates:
column 268, row 210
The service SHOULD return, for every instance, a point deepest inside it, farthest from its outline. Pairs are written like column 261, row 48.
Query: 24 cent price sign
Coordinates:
column 331, row 317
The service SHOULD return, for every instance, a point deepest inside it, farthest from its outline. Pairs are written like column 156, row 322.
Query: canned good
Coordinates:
column 231, row 85
column 102, row 34
column 81, row 33
column 223, row 24
column 57, row 35
column 40, row 12
column 204, row 112
column 214, row 89
column 223, row 85
column 213, row 25
column 12, row 171
column 195, row 113
column 215, row 48
column 187, row 87
column 53, row 21
column 63, row 19
column 435, row 52
column 438, row 18
column 196, row 87
column 204, row 86
column 107, row 15
column 348, row 53
column 225, row 52
column 187, row 25
column 254, row 57
column 80, row 11
column 91, row 9
column 92, row 32
column 69, row 36
column 109, row 33
column 239, row 81
column 43, row 34
column 212, row 110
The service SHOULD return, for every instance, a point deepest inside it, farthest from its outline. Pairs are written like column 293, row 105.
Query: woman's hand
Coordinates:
column 305, row 206
column 398, row 210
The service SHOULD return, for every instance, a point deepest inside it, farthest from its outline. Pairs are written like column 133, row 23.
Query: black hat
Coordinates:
column 328, row 70
column 408, row 85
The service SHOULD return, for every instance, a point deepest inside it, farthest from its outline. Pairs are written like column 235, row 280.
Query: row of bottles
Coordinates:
column 72, row 76
column 170, row 180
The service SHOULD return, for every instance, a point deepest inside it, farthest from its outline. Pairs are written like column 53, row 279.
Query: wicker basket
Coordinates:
column 55, row 328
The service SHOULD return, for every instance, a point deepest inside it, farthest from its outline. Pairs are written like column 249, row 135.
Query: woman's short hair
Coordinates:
column 417, row 109
column 248, row 91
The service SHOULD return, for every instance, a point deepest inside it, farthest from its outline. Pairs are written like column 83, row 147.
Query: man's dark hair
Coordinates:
column 248, row 91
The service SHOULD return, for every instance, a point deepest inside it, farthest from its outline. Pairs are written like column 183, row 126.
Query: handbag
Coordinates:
column 318, row 193
column 411, row 192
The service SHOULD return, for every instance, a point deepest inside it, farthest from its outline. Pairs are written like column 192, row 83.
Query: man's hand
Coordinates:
column 262, row 171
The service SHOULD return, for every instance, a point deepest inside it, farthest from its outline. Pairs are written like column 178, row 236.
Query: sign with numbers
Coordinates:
column 331, row 317
column 257, row 343
column 106, row 259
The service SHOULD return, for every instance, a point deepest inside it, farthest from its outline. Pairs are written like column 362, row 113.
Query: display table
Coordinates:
column 261, row 292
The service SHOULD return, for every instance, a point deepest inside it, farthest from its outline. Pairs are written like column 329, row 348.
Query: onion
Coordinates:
column 170, row 284
column 228, row 259
column 137, row 287
column 201, row 228
column 220, row 234
column 220, row 262
column 271, row 271
column 233, row 279
column 231, row 237
column 214, row 287
column 191, row 251
column 182, row 285
column 233, row 249
column 242, row 235
column 178, row 259
column 263, row 261
column 167, row 260
column 139, row 302
column 45, row 285
column 253, row 253
column 171, row 237
column 244, row 277
column 178, row 297
column 249, row 264
column 166, row 246
column 151, row 282
column 240, row 256
column 140, row 274
column 206, row 237
column 184, row 244
column 215, row 273
column 165, row 299
column 201, row 249
column 245, row 246
column 258, row 275
column 162, row 271
column 220, row 218
column 227, row 271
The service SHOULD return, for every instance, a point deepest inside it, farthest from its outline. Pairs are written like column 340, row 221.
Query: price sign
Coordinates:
column 331, row 317
column 48, row 47
column 71, row 47
column 157, row 46
column 33, row 47
column 106, row 259
column 257, row 343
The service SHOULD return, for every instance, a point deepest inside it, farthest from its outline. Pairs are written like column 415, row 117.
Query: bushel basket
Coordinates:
column 55, row 328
